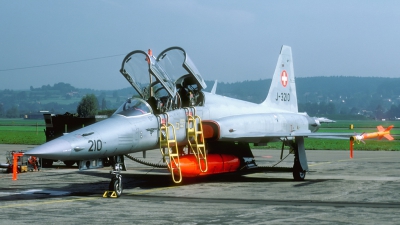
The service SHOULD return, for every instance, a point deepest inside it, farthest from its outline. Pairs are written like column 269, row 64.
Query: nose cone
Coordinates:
column 57, row 149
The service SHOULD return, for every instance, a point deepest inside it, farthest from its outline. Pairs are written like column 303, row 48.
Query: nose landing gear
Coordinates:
column 115, row 186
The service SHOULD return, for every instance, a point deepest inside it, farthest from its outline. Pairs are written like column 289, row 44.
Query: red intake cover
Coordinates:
column 217, row 163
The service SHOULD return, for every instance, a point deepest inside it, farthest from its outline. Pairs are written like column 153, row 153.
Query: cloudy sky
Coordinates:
column 83, row 42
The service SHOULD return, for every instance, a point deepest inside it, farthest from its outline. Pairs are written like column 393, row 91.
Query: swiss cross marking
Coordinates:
column 284, row 78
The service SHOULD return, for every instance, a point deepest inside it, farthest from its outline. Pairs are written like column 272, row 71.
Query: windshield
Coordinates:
column 133, row 107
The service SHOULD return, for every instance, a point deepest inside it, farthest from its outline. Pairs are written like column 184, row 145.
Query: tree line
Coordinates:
column 370, row 97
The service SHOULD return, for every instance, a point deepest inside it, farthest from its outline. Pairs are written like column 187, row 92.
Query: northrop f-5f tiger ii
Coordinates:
column 198, row 133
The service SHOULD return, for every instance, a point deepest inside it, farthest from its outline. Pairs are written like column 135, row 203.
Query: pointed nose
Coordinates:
column 57, row 149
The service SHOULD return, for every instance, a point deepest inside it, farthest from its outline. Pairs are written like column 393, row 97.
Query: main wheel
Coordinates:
column 299, row 174
column 116, row 185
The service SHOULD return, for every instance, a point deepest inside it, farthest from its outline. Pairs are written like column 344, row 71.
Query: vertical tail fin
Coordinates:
column 214, row 88
column 282, row 93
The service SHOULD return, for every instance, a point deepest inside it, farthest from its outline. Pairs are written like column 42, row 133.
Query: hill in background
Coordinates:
column 318, row 96
column 370, row 96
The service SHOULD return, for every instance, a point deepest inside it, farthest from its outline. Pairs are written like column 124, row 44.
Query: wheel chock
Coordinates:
column 110, row 194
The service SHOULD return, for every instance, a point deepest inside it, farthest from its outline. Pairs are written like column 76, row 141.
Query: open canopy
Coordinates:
column 146, row 76
column 161, row 76
column 177, row 63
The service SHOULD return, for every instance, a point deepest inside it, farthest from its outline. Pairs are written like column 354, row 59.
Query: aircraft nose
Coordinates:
column 57, row 149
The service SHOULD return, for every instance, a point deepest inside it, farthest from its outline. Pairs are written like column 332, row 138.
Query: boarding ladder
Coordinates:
column 196, row 138
column 169, row 148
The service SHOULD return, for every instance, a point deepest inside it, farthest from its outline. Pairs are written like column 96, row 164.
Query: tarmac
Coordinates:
column 337, row 190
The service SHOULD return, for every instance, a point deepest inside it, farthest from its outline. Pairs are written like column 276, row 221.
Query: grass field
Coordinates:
column 344, row 127
column 19, row 131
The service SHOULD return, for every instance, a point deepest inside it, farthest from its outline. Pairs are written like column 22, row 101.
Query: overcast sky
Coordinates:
column 227, row 40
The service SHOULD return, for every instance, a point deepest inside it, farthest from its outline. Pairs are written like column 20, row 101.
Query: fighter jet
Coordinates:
column 198, row 133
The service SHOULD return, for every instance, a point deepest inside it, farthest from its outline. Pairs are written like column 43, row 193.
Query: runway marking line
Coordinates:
column 317, row 164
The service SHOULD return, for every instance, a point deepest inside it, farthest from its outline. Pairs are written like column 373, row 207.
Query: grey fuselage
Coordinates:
column 171, row 89
column 122, row 134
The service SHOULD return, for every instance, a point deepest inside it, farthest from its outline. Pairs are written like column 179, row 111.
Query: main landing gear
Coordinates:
column 300, row 165
column 298, row 173
column 115, row 186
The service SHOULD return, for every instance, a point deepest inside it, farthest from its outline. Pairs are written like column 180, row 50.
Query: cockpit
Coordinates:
column 134, row 107
column 168, row 82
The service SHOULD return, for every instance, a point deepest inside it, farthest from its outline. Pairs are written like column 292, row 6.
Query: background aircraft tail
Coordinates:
column 385, row 132
column 282, row 93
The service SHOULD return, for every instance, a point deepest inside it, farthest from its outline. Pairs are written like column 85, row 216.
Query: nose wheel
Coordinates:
column 115, row 186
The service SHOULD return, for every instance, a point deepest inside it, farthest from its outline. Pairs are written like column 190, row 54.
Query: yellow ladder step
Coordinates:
column 196, row 141
column 166, row 142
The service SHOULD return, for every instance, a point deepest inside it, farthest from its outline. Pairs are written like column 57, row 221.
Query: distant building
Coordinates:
column 35, row 116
